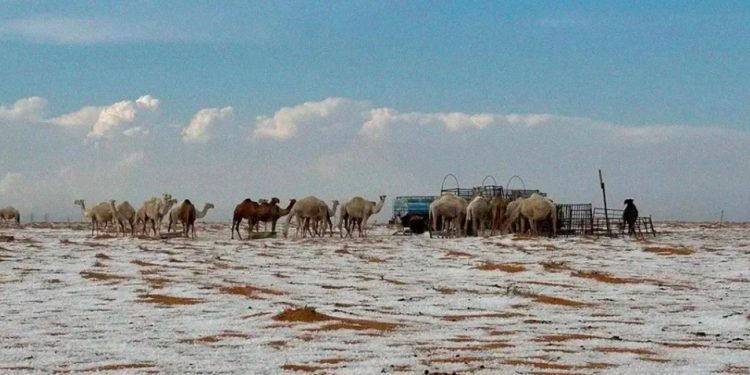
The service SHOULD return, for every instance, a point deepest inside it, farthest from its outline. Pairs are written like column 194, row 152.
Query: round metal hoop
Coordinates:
column 507, row 186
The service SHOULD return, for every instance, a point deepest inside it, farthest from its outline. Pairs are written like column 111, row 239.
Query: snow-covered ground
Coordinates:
column 678, row 303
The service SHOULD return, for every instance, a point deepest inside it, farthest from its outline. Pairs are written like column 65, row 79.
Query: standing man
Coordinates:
column 630, row 215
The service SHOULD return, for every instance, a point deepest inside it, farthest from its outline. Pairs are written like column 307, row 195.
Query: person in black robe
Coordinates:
column 630, row 215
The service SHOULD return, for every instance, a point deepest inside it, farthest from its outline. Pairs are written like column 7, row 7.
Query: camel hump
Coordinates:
column 247, row 200
column 187, row 201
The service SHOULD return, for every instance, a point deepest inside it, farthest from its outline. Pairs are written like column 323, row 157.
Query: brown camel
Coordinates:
column 186, row 215
column 271, row 212
column 498, row 206
column 245, row 210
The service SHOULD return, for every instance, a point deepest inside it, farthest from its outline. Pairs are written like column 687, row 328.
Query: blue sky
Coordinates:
column 671, row 76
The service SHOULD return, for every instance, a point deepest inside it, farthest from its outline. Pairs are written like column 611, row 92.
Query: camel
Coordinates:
column 245, row 210
column 174, row 215
column 498, row 207
column 450, row 210
column 100, row 213
column 307, row 208
column 10, row 213
column 322, row 220
column 154, row 210
column 513, row 218
column 477, row 212
column 358, row 211
column 123, row 213
column 537, row 208
column 331, row 214
column 187, row 215
column 267, row 211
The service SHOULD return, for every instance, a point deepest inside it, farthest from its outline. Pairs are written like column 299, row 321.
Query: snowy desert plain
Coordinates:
column 678, row 303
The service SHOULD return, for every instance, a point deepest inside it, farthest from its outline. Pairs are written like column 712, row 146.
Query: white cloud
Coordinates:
column 51, row 29
column 131, row 159
column 11, row 183
column 23, row 111
column 106, row 121
column 288, row 122
column 200, row 129
column 81, row 118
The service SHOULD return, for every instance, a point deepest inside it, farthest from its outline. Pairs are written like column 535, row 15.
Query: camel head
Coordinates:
column 382, row 198
column 274, row 201
column 167, row 197
column 112, row 202
column 628, row 201
column 209, row 205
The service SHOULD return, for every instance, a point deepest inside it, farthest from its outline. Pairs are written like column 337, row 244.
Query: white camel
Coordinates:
column 123, row 213
column 537, row 208
column 98, row 214
column 359, row 210
column 153, row 211
column 10, row 213
column 450, row 210
column 513, row 216
column 305, row 209
column 477, row 212
column 174, row 215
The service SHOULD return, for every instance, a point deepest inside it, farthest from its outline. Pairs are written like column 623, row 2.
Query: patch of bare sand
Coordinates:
column 610, row 349
column 555, row 266
column 566, row 337
column 249, row 291
column 119, row 367
column 456, row 254
column 216, row 338
column 457, row 359
column 101, row 276
column 456, row 318
column 735, row 369
column 302, row 368
column 512, row 268
column 550, row 300
column 278, row 344
column 669, row 250
column 558, row 366
column 309, row 315
column 165, row 300
column 605, row 277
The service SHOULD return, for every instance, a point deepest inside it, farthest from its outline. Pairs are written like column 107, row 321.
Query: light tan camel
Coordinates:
column 186, row 215
column 537, row 208
column 123, row 213
column 304, row 209
column 477, row 212
column 10, row 213
column 174, row 215
column 153, row 211
column 323, row 220
column 98, row 214
column 498, row 207
column 513, row 218
column 359, row 210
column 450, row 211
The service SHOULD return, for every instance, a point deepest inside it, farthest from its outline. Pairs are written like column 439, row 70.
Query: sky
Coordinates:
column 224, row 101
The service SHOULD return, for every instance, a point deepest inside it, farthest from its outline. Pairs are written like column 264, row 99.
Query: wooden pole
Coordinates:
column 721, row 220
column 604, row 195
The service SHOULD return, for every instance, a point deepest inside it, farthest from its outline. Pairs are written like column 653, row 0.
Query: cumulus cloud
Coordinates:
column 288, row 122
column 200, row 129
column 107, row 121
column 23, row 111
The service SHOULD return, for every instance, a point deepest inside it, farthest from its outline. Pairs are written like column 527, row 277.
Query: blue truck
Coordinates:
column 413, row 211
